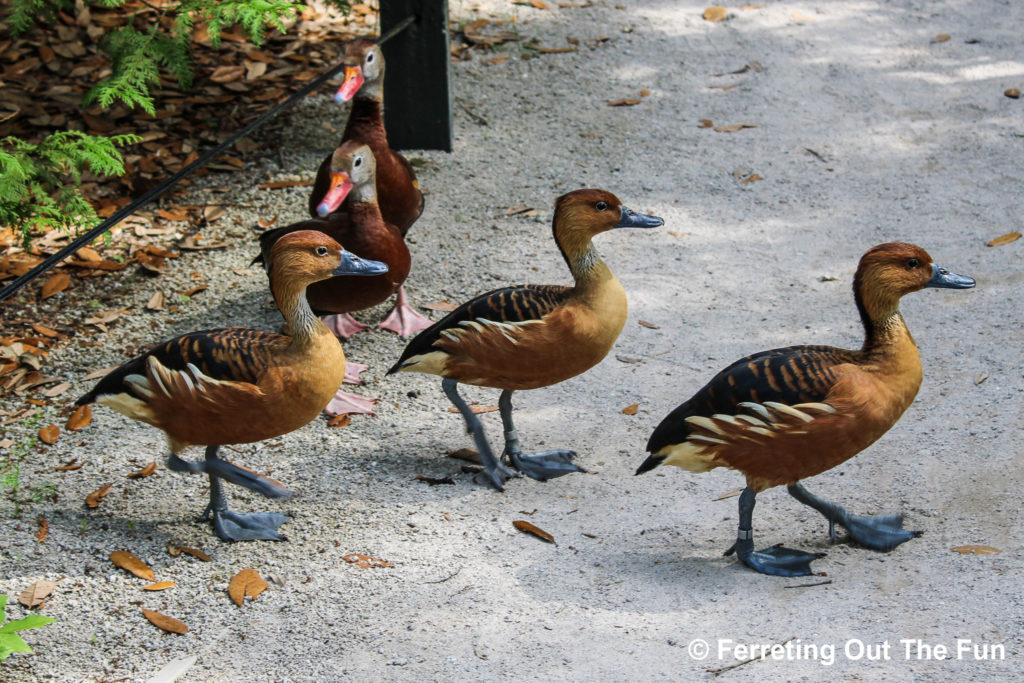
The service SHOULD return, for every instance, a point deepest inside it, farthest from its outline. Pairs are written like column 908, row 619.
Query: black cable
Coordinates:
column 153, row 193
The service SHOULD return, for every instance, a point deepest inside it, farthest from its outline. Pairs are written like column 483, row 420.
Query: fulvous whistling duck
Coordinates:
column 533, row 336
column 363, row 231
column 783, row 415
column 398, row 193
column 240, row 385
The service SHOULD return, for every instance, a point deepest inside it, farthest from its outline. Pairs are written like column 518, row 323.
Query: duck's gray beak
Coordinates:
column 353, row 265
column 632, row 219
column 943, row 278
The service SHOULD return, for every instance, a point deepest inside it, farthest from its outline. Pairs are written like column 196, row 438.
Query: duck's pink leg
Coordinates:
column 343, row 325
column 344, row 403
column 404, row 319
column 352, row 371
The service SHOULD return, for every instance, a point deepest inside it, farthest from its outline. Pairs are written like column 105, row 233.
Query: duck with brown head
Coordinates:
column 237, row 385
column 533, row 336
column 783, row 415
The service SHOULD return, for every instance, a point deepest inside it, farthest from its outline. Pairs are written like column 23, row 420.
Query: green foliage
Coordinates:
column 10, row 462
column 138, row 55
column 39, row 183
column 10, row 641
column 24, row 13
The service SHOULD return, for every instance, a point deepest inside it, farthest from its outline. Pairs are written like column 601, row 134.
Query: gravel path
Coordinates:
column 866, row 131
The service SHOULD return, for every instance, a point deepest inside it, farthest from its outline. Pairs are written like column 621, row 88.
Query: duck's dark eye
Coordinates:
column 601, row 206
column 913, row 263
column 321, row 251
column 358, row 162
column 369, row 58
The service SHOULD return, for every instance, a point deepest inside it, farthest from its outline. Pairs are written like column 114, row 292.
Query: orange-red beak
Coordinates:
column 351, row 85
column 341, row 185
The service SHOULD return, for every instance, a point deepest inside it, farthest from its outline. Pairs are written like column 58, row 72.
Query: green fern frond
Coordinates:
column 39, row 183
column 135, row 71
column 23, row 13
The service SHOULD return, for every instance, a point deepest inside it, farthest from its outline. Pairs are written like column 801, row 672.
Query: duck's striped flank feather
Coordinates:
column 233, row 354
column 785, row 376
column 502, row 309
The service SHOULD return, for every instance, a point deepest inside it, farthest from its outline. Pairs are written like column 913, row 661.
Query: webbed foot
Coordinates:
column 253, row 526
column 352, row 371
column 880, row 532
column 496, row 475
column 776, row 560
column 343, row 325
column 404, row 319
column 545, row 464
column 344, row 403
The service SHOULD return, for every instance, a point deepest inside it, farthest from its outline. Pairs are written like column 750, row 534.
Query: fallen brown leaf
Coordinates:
column 128, row 562
column 365, row 561
column 467, row 454
column 57, row 389
column 54, row 284
column 157, row 302
column 439, row 306
column 734, row 127
column 266, row 223
column 715, row 14
column 528, row 528
column 49, row 434
column 36, row 594
column 556, row 50
column 196, row 290
column 144, row 472
column 705, row 123
column 104, row 317
column 79, row 419
column 434, row 481
column 729, row 494
column 624, row 102
column 753, row 178
column 93, row 499
column 44, row 530
column 45, row 331
column 343, row 420
column 196, row 553
column 631, row 409
column 941, row 38
column 1004, row 239
column 650, row 326
column 98, row 374
column 173, row 214
column 247, row 582
column 169, row 624
column 159, row 586
column 976, row 550
column 1012, row 93
column 72, row 464
column 476, row 409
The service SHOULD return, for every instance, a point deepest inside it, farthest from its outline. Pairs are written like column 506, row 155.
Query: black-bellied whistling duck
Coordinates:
column 363, row 231
column 240, row 385
column 783, row 415
column 398, row 193
column 533, row 336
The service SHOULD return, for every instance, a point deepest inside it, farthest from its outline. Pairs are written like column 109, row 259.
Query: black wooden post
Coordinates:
column 417, row 94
